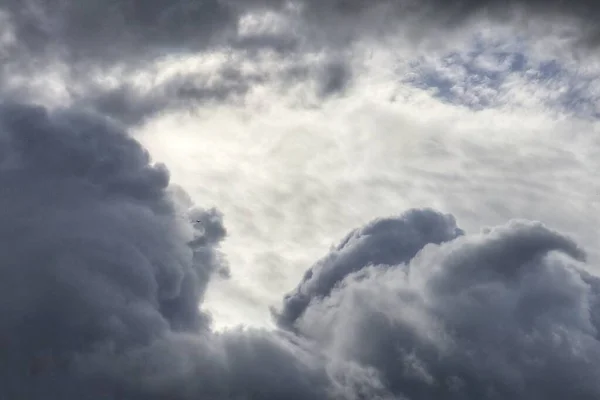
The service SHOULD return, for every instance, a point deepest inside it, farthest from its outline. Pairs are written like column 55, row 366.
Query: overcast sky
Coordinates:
column 264, row 199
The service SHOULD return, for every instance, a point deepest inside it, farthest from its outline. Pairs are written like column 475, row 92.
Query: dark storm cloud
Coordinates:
column 104, row 267
column 89, row 225
column 131, row 31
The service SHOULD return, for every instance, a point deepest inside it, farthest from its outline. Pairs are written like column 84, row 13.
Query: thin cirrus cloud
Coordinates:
column 110, row 274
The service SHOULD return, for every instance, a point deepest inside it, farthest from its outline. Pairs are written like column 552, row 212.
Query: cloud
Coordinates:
column 453, row 11
column 104, row 268
column 89, row 38
column 495, row 73
column 132, row 100
column 388, row 241
column 94, row 248
column 89, row 33
column 105, row 265
column 119, row 31
column 84, row 45
column 511, row 312
column 86, row 215
column 334, row 78
column 127, row 30
column 133, row 104
column 307, row 177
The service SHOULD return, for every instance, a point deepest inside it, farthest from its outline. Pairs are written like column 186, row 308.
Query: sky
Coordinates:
column 301, row 199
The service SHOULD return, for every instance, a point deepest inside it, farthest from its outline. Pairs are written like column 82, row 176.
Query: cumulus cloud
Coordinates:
column 389, row 241
column 102, row 277
column 508, row 313
column 92, row 231
column 105, row 266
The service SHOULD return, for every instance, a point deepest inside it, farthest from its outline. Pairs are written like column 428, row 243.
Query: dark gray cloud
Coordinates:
column 133, row 31
column 103, row 271
column 131, row 104
column 91, row 39
column 453, row 10
column 89, row 226
column 117, row 31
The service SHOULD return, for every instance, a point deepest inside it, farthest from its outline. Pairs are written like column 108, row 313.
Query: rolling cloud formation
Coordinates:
column 103, row 271
column 105, row 263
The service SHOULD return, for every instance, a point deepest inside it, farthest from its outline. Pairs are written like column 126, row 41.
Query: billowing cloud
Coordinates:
column 94, row 245
column 509, row 313
column 389, row 241
column 104, row 268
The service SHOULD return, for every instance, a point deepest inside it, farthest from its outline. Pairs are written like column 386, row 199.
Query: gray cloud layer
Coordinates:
column 117, row 31
column 126, row 29
column 91, row 34
column 510, row 313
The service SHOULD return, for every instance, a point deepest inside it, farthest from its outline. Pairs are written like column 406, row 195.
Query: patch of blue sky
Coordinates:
column 482, row 76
